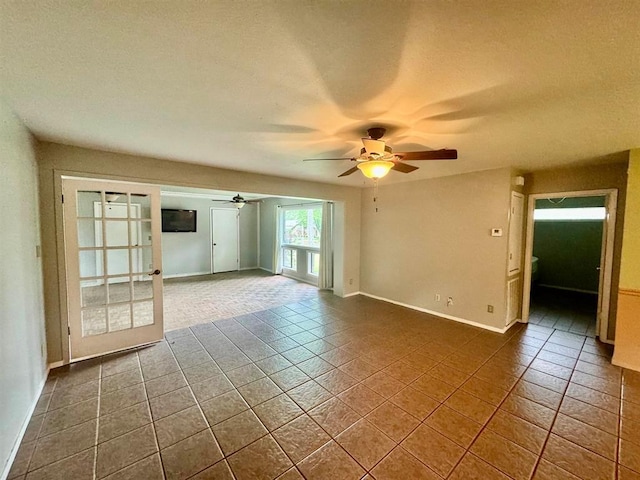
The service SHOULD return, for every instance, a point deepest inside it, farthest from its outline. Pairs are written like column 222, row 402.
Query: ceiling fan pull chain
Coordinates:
column 375, row 194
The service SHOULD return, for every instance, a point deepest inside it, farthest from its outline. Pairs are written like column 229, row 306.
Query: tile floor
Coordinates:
column 341, row 389
column 564, row 310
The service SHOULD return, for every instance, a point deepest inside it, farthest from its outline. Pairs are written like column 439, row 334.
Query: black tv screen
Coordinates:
column 178, row 220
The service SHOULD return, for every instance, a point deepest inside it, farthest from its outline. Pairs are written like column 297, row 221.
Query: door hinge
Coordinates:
column 62, row 198
column 68, row 329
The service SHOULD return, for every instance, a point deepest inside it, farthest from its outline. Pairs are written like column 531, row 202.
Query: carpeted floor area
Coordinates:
column 193, row 300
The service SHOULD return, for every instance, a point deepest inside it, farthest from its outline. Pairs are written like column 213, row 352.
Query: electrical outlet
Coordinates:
column 449, row 301
column 490, row 308
column 437, row 297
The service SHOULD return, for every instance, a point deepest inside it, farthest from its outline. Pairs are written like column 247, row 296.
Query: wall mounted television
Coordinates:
column 178, row 220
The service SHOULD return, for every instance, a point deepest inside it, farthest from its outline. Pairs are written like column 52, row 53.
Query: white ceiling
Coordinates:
column 260, row 85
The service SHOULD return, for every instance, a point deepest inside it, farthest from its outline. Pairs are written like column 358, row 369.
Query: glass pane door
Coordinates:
column 112, row 246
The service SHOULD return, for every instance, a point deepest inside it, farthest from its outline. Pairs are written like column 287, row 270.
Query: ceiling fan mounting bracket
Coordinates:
column 376, row 133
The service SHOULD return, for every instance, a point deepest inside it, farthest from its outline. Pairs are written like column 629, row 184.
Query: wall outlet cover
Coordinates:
column 496, row 232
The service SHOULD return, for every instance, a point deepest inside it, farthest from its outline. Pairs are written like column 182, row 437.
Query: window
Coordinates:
column 586, row 213
column 313, row 261
column 302, row 226
column 289, row 258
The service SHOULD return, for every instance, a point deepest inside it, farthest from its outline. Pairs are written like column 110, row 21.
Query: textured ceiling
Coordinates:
column 260, row 85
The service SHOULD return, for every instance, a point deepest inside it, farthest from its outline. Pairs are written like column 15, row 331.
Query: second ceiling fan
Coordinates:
column 238, row 201
column 377, row 158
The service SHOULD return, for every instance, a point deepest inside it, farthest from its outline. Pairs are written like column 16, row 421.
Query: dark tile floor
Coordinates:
column 341, row 389
column 564, row 310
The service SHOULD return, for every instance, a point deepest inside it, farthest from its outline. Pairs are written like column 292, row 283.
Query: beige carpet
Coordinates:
column 193, row 300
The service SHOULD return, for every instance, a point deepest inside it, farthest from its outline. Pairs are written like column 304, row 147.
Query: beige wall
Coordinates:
column 56, row 160
column 433, row 236
column 22, row 337
column 590, row 178
column 627, row 349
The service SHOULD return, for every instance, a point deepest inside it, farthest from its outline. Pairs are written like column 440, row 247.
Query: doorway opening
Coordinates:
column 130, row 274
column 568, row 261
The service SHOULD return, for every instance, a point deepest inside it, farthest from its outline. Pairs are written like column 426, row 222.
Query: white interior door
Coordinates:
column 224, row 240
column 114, row 260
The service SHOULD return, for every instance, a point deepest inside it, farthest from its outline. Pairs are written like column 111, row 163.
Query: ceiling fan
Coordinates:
column 238, row 201
column 377, row 158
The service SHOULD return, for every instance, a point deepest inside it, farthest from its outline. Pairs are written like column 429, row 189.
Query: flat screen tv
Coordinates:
column 178, row 220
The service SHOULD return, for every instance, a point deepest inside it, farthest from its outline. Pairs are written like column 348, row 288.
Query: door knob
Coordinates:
column 155, row 272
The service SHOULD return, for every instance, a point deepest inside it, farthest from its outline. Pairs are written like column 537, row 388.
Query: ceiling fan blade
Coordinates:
column 349, row 172
column 326, row 159
column 403, row 167
column 443, row 154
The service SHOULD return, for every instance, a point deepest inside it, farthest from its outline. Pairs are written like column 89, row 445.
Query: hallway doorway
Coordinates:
column 569, row 261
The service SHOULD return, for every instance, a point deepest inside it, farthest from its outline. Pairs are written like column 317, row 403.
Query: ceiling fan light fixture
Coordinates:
column 375, row 169
column 239, row 205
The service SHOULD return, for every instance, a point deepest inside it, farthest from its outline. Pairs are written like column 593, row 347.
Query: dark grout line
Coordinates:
column 557, row 411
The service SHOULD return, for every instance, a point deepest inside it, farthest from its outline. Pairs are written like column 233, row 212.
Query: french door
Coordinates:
column 114, row 263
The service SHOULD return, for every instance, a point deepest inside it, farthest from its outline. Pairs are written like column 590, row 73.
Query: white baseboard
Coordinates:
column 442, row 315
column 57, row 364
column 568, row 289
column 251, row 268
column 352, row 294
column 180, row 275
column 14, row 450
column 267, row 270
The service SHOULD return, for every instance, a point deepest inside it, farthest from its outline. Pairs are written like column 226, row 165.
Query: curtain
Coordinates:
column 277, row 251
column 325, row 277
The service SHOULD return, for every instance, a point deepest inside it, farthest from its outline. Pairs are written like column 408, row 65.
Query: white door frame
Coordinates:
column 211, row 210
column 606, row 260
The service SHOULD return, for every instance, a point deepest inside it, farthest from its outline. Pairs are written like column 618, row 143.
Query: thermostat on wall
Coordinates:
column 496, row 232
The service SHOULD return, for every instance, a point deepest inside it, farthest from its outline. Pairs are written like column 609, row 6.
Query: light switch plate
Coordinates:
column 496, row 232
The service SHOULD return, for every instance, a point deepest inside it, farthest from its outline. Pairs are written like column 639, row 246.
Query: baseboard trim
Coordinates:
column 180, row 275
column 14, row 450
column 567, row 289
column 303, row 280
column 267, row 270
column 441, row 315
column 57, row 364
column 250, row 268
column 352, row 294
